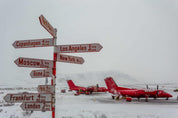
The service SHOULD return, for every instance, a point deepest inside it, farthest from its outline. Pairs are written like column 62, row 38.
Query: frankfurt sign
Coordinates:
column 28, row 97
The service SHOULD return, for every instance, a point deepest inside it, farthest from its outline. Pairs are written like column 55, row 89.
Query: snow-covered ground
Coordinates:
column 95, row 105
column 102, row 106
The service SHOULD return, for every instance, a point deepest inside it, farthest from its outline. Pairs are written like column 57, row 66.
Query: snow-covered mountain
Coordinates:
column 83, row 79
column 93, row 78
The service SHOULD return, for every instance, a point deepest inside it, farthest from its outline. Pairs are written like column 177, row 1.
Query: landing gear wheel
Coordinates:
column 117, row 98
column 146, row 98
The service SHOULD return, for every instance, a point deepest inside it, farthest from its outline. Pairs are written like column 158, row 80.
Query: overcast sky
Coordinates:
column 139, row 37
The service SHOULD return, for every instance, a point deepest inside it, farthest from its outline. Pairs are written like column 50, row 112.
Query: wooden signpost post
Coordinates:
column 45, row 99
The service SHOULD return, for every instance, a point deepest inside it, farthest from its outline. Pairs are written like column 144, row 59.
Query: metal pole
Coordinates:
column 53, row 80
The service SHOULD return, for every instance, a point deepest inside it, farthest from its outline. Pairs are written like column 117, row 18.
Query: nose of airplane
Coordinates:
column 164, row 94
column 169, row 95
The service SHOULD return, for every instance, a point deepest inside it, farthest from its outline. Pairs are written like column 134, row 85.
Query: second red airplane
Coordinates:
column 85, row 90
column 129, row 93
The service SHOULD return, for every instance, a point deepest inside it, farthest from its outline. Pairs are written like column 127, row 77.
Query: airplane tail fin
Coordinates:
column 110, row 83
column 71, row 84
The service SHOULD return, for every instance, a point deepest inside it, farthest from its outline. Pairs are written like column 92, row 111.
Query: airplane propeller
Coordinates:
column 157, row 90
column 157, row 87
column 147, row 86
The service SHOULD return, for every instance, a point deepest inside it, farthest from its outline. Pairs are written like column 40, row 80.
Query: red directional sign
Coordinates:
column 45, row 88
column 28, row 97
column 36, row 106
column 79, row 48
column 35, row 63
column 41, row 73
column 33, row 43
column 47, row 25
column 69, row 59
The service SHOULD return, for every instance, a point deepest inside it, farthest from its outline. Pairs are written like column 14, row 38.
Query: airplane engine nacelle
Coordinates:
column 128, row 99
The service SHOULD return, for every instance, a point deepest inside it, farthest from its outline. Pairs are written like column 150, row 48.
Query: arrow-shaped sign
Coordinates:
column 36, row 106
column 35, row 63
column 28, row 97
column 41, row 73
column 33, row 43
column 47, row 26
column 69, row 59
column 45, row 88
column 78, row 48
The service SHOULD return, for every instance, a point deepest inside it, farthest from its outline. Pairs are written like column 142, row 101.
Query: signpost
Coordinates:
column 69, row 59
column 79, row 48
column 34, row 43
column 41, row 73
column 47, row 26
column 28, row 97
column 45, row 88
column 34, row 63
column 36, row 106
column 45, row 99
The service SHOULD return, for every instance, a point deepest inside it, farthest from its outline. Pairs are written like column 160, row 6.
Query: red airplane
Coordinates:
column 129, row 93
column 85, row 90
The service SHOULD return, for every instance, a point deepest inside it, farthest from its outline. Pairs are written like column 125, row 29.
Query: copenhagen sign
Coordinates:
column 34, row 43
